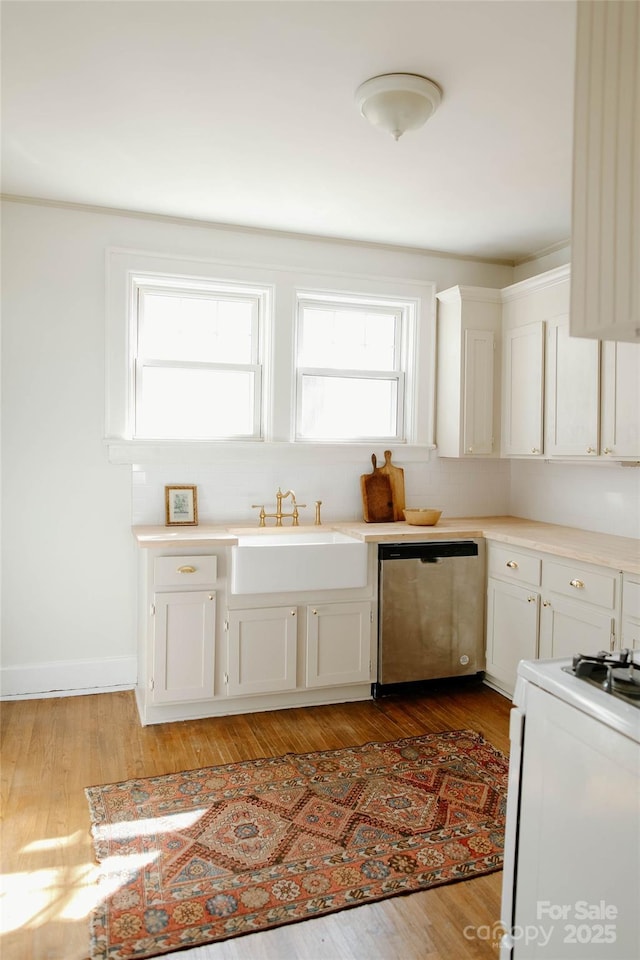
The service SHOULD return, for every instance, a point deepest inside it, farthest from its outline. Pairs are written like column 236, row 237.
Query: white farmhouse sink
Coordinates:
column 282, row 562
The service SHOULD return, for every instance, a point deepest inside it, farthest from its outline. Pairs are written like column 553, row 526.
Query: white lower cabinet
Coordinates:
column 539, row 606
column 261, row 650
column 630, row 634
column 201, row 655
column 183, row 646
column 179, row 664
column 277, row 649
column 579, row 609
column 513, row 615
column 338, row 643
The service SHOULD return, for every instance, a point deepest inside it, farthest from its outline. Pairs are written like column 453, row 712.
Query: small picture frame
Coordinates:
column 181, row 505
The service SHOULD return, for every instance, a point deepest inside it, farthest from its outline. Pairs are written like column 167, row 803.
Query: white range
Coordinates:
column 571, row 883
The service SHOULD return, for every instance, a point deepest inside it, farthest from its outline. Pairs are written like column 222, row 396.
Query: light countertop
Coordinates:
column 619, row 553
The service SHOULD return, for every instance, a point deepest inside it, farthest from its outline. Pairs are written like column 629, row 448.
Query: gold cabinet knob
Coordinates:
column 546, row 603
column 607, row 450
column 531, row 599
column 535, row 450
column 187, row 568
column 591, row 450
column 512, row 564
column 578, row 584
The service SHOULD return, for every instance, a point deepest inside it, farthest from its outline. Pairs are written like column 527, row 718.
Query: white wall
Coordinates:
column 600, row 497
column 69, row 562
column 456, row 487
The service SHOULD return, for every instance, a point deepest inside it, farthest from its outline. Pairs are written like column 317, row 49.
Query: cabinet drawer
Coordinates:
column 631, row 599
column 183, row 571
column 511, row 565
column 581, row 583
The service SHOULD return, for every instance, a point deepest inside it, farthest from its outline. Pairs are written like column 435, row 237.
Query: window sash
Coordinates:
column 186, row 293
column 255, row 372
column 396, row 434
column 348, row 305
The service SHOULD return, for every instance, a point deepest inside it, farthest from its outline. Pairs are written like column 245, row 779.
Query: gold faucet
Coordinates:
column 278, row 515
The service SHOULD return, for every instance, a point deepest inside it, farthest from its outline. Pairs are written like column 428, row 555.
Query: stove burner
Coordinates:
column 616, row 673
column 626, row 681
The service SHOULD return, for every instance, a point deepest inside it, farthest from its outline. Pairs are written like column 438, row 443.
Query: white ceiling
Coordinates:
column 243, row 113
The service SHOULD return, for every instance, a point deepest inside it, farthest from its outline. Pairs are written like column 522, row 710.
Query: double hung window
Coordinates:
column 197, row 360
column 350, row 371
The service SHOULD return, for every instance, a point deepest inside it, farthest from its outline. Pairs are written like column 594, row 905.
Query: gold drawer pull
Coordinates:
column 578, row 584
column 186, row 569
column 512, row 564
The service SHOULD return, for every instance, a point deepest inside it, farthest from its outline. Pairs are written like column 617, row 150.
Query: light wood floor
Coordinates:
column 53, row 748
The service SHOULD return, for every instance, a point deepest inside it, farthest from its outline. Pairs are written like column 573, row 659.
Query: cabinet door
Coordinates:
column 478, row 392
column 605, row 240
column 262, row 650
column 512, row 630
column 183, row 646
column 338, row 644
column 621, row 400
column 572, row 392
column 523, row 391
column 567, row 628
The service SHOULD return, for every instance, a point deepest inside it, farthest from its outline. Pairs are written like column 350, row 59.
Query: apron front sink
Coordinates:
column 285, row 561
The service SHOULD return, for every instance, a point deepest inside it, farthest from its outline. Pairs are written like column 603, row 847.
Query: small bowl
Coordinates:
column 422, row 517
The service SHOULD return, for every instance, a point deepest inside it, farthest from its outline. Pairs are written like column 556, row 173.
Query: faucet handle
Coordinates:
column 255, row 506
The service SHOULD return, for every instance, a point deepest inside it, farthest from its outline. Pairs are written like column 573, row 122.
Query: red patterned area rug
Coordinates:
column 192, row 858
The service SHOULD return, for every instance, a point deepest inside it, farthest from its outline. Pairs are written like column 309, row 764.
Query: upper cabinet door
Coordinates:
column 467, row 391
column 479, row 346
column 523, row 391
column 605, row 234
column 572, row 393
column 620, row 424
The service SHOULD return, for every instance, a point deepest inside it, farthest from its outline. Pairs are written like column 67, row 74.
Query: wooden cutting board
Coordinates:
column 396, row 479
column 377, row 501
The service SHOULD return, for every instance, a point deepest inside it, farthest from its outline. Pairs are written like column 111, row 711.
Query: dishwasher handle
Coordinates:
column 428, row 552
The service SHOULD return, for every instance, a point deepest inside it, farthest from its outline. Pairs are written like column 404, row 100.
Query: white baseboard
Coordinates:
column 67, row 678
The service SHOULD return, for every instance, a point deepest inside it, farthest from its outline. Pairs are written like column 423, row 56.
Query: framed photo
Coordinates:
column 181, row 504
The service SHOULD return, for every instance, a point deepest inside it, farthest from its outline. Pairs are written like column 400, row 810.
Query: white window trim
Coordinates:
column 278, row 353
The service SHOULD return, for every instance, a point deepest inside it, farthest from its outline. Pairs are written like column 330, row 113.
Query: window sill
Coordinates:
column 149, row 452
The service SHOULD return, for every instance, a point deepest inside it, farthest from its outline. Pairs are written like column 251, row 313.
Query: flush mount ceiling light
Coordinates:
column 398, row 102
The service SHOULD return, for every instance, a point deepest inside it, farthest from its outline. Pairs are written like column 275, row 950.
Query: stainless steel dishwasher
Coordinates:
column 430, row 612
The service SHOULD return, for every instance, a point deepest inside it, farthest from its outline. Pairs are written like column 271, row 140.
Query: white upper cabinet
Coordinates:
column 527, row 309
column 620, row 423
column 564, row 396
column 572, row 392
column 605, row 236
column 523, row 391
column 468, row 391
